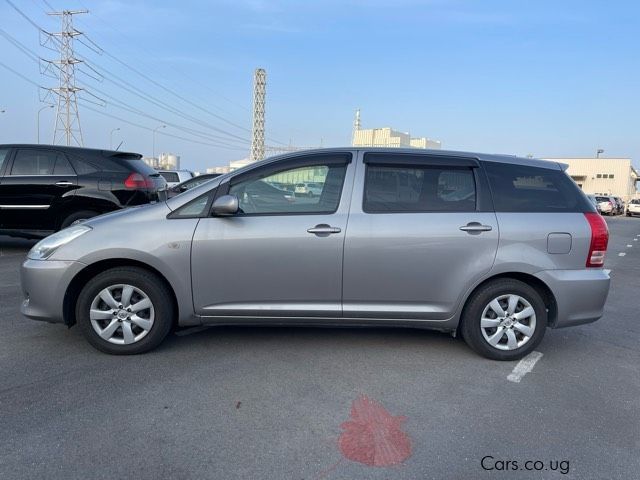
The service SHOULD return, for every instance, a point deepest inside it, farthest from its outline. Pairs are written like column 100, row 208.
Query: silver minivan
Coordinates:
column 494, row 248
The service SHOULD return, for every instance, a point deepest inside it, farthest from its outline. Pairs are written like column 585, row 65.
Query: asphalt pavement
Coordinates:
column 271, row 403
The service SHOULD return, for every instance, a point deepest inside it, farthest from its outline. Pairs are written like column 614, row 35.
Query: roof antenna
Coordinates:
column 119, row 145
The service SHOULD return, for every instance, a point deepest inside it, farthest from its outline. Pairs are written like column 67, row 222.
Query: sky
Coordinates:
column 543, row 78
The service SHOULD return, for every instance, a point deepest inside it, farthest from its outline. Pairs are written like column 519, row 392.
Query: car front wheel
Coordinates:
column 504, row 320
column 125, row 311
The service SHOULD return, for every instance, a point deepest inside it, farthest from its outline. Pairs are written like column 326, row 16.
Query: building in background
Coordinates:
column 223, row 169
column 603, row 176
column 165, row 161
column 388, row 137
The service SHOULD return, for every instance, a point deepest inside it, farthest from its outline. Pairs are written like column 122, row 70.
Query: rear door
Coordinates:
column 421, row 229
column 35, row 188
column 5, row 158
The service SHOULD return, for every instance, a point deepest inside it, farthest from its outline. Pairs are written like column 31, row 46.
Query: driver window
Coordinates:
column 308, row 189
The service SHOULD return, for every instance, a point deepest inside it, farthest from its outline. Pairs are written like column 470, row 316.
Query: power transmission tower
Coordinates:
column 67, row 126
column 257, row 134
column 356, row 127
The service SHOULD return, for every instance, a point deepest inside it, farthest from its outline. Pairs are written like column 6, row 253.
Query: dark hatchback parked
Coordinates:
column 44, row 188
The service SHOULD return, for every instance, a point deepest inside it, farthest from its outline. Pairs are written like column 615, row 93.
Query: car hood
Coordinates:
column 159, row 209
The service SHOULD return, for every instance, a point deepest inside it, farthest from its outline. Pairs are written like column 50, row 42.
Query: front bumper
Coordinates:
column 44, row 284
column 580, row 294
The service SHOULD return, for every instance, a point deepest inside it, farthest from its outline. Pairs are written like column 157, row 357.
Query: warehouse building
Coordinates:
column 603, row 176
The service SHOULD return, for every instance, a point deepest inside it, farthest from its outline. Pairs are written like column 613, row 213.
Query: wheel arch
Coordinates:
column 542, row 288
column 84, row 275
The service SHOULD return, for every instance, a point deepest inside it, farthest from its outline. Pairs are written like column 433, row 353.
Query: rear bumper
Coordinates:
column 580, row 294
column 44, row 284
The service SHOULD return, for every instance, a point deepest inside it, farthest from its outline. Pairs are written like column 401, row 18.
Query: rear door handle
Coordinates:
column 323, row 229
column 64, row 183
column 475, row 227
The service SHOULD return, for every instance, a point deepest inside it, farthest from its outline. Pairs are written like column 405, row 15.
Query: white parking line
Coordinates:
column 524, row 366
column 629, row 245
column 621, row 254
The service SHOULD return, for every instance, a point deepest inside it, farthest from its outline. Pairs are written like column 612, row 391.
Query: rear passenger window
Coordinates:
column 519, row 188
column 170, row 176
column 3, row 156
column 418, row 189
column 34, row 162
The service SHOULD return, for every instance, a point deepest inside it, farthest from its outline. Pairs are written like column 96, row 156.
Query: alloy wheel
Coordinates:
column 122, row 314
column 508, row 322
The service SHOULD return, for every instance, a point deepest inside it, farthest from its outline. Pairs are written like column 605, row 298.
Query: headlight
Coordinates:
column 45, row 248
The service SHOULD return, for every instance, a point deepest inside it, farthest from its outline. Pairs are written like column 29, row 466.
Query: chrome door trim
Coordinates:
column 31, row 207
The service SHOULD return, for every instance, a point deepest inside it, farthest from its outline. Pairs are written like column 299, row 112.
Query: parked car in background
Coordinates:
column 633, row 207
column 191, row 183
column 620, row 207
column 525, row 251
column 174, row 177
column 44, row 188
column 607, row 205
column 594, row 202
column 309, row 189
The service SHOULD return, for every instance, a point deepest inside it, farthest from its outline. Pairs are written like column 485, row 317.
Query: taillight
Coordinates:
column 137, row 180
column 599, row 239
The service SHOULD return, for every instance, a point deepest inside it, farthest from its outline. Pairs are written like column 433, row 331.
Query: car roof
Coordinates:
column 69, row 149
column 488, row 157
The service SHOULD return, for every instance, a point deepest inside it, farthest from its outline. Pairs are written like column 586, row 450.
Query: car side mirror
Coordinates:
column 225, row 205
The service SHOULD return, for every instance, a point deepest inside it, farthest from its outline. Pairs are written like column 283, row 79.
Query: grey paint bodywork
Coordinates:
column 411, row 269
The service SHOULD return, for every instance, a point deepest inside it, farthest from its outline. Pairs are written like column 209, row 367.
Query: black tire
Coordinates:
column 74, row 217
column 472, row 314
column 146, row 281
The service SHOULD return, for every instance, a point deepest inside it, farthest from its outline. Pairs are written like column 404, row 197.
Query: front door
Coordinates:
column 419, row 233
column 34, row 186
column 281, row 256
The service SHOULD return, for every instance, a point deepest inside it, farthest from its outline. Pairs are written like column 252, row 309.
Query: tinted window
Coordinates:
column 419, row 189
column 63, row 167
column 3, row 156
column 518, row 188
column 269, row 194
column 82, row 166
column 34, row 162
column 170, row 176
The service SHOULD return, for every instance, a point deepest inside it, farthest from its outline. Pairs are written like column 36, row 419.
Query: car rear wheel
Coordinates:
column 504, row 320
column 125, row 311
column 77, row 217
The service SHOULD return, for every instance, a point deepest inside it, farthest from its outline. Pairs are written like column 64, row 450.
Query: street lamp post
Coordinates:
column 38, row 120
column 111, row 137
column 154, row 138
column 598, row 152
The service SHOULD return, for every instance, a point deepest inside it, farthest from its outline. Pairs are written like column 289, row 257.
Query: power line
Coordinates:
column 19, row 75
column 125, row 85
column 198, row 106
column 161, row 132
column 118, row 104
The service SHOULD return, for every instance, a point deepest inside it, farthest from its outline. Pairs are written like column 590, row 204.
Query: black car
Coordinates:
column 44, row 188
column 190, row 183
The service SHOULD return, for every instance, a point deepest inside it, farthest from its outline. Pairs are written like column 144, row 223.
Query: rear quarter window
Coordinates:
column 170, row 176
column 521, row 188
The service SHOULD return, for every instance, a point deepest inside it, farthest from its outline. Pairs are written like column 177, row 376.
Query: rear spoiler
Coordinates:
column 563, row 166
column 125, row 155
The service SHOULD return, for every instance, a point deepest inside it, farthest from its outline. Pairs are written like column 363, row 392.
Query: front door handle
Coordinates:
column 475, row 227
column 323, row 229
column 64, row 183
